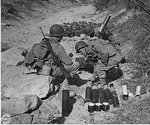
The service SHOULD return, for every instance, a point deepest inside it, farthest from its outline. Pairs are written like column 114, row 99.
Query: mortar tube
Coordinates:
column 65, row 103
column 88, row 92
column 94, row 94
column 101, row 95
column 114, row 95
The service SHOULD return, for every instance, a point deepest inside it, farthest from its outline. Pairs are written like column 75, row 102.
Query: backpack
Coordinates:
column 38, row 55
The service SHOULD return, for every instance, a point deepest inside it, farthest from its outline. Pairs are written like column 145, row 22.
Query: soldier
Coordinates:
column 88, row 33
column 40, row 55
column 91, row 34
column 103, row 55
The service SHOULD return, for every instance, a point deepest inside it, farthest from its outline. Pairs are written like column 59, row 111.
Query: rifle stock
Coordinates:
column 64, row 71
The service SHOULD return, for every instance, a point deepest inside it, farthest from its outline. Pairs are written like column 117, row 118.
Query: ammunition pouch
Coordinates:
column 38, row 55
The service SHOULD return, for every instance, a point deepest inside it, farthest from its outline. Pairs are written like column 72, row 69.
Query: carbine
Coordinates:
column 64, row 71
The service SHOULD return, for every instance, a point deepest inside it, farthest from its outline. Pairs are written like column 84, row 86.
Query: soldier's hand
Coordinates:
column 71, row 80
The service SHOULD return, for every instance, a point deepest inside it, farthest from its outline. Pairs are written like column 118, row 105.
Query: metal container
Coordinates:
column 98, row 106
column 95, row 94
column 91, row 107
column 108, row 94
column 114, row 95
column 65, row 103
column 88, row 92
column 138, row 90
column 106, row 106
column 101, row 95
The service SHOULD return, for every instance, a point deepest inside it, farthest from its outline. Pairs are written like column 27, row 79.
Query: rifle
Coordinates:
column 64, row 71
column 104, row 24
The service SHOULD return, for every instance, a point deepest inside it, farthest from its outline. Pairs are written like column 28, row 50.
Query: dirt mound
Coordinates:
column 77, row 28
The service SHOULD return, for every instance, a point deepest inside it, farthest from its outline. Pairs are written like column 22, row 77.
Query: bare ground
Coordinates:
column 26, row 36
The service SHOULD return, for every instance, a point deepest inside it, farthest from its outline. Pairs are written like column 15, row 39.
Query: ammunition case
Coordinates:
column 95, row 94
column 108, row 94
column 114, row 95
column 88, row 92
column 91, row 107
column 65, row 103
column 101, row 95
column 98, row 106
column 106, row 106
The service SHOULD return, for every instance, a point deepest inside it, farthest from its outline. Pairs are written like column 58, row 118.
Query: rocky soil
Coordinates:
column 31, row 92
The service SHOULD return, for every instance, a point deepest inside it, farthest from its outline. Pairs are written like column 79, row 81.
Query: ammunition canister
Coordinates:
column 88, row 92
column 125, row 93
column 94, row 94
column 91, row 107
column 65, row 103
column 106, row 106
column 108, row 94
column 138, row 89
column 98, row 106
column 101, row 94
column 114, row 95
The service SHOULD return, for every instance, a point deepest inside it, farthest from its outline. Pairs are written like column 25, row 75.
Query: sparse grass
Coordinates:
column 135, row 111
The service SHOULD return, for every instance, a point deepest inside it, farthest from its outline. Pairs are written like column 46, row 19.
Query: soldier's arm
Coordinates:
column 103, row 52
column 64, row 57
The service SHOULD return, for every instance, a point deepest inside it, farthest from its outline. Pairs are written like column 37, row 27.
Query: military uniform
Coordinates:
column 45, row 56
column 60, row 52
column 106, row 55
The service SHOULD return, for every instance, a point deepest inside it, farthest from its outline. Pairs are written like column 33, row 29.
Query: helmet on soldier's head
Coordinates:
column 56, row 30
column 88, row 30
column 80, row 45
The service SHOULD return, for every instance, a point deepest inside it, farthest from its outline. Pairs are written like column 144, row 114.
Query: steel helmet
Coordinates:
column 80, row 45
column 56, row 30
column 88, row 30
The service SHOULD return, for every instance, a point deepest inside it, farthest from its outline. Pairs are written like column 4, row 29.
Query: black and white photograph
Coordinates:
column 75, row 61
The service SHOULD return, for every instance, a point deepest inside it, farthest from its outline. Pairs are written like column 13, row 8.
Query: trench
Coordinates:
column 26, row 36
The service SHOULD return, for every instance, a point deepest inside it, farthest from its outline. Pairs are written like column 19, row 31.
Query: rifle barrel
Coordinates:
column 42, row 32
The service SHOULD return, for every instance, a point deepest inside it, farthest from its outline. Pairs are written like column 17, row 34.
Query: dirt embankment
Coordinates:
column 127, row 27
column 18, row 12
column 18, row 16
